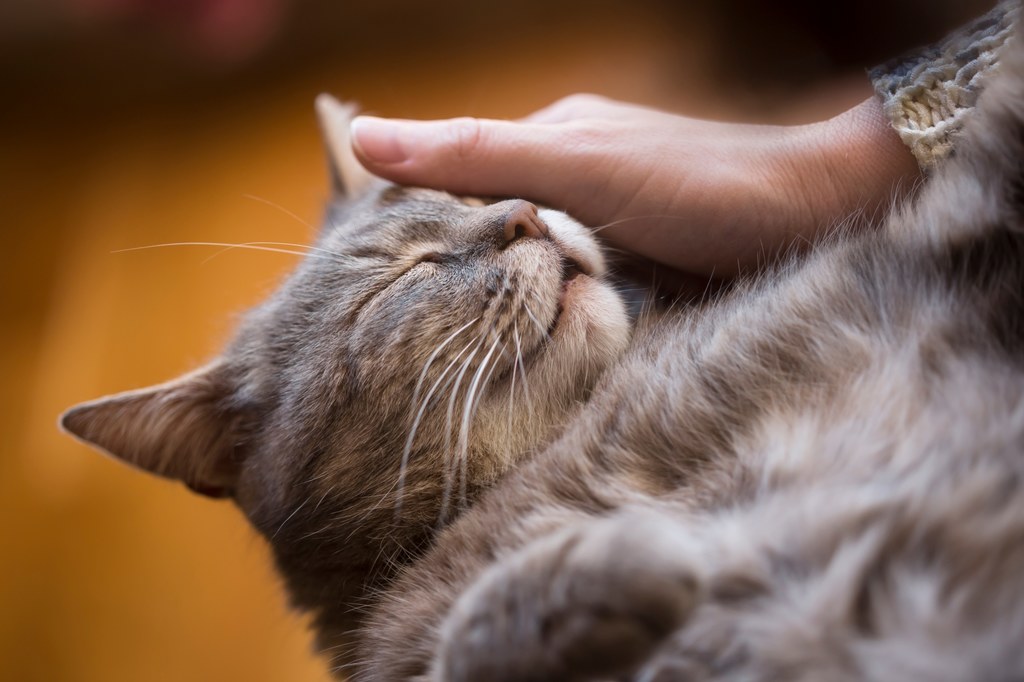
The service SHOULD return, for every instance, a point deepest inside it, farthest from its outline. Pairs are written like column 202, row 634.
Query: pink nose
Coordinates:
column 522, row 221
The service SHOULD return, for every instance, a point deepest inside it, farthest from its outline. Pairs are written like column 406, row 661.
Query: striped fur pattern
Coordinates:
column 471, row 465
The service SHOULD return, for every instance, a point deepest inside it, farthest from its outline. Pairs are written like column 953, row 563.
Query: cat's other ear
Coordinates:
column 348, row 177
column 188, row 429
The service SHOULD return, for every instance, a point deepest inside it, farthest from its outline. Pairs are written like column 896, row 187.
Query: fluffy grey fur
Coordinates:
column 470, row 468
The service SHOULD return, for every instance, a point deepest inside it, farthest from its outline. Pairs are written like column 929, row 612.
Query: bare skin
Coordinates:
column 701, row 196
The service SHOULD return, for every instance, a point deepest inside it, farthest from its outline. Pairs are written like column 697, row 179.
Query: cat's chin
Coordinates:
column 589, row 333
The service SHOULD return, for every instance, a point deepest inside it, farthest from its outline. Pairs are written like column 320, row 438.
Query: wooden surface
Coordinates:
column 107, row 574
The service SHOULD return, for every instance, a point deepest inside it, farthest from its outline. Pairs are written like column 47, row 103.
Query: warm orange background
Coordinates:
column 113, row 138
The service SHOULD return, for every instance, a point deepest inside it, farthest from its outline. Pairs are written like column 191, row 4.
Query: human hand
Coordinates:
column 701, row 196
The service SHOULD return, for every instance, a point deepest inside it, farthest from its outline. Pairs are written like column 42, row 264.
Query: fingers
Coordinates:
column 473, row 156
column 585, row 106
column 574, row 107
column 559, row 155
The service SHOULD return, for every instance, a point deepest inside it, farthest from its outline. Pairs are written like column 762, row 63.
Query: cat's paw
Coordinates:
column 594, row 601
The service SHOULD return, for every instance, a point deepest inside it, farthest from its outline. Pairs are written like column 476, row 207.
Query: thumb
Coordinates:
column 472, row 156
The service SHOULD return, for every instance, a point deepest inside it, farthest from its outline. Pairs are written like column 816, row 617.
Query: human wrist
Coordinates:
column 866, row 164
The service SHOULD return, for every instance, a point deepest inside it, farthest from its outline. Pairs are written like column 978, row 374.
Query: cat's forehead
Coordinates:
column 395, row 194
column 416, row 203
column 404, row 213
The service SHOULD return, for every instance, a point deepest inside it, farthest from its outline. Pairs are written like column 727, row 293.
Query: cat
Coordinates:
column 472, row 463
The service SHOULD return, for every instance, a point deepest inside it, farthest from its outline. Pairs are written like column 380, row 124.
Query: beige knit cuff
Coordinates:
column 928, row 94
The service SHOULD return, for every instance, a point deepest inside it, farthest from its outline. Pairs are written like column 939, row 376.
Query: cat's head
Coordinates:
column 424, row 344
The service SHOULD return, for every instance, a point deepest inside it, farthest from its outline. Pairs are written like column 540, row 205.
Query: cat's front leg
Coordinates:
column 590, row 602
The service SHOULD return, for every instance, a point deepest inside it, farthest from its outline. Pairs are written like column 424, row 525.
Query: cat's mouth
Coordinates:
column 571, row 270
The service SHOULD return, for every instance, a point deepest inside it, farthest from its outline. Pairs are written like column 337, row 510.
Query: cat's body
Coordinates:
column 819, row 476
column 840, row 496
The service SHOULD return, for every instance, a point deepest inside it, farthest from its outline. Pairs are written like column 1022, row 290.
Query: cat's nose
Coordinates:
column 522, row 221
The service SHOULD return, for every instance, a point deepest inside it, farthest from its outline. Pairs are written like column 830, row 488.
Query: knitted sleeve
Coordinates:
column 929, row 93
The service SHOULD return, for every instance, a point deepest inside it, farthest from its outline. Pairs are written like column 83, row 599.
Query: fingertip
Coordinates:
column 377, row 140
column 464, row 155
column 429, row 153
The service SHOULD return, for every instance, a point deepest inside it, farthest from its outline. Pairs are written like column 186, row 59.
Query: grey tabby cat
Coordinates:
column 472, row 465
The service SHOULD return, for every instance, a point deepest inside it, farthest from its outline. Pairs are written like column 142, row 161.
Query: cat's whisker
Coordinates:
column 468, row 410
column 453, row 452
column 483, row 391
column 433, row 356
column 338, row 257
column 615, row 250
column 421, row 411
column 512, row 388
column 522, row 371
column 227, row 246
column 540, row 328
column 449, row 383
column 280, row 208
column 308, row 247
column 651, row 216
column 449, row 468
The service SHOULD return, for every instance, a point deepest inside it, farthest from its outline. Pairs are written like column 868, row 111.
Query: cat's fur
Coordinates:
column 819, row 476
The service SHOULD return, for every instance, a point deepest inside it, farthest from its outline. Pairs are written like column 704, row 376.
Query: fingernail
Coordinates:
column 377, row 139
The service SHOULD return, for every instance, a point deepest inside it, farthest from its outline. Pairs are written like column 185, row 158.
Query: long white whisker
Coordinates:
column 512, row 389
column 522, row 371
column 540, row 328
column 337, row 257
column 228, row 246
column 279, row 207
column 430, row 360
column 480, row 396
column 308, row 247
column 445, row 498
column 400, row 481
column 659, row 216
column 468, row 409
column 407, row 450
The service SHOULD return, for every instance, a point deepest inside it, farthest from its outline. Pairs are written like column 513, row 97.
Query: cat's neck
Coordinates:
column 334, row 566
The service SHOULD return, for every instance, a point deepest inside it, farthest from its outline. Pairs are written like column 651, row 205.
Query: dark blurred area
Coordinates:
column 141, row 123
column 803, row 41
column 166, row 52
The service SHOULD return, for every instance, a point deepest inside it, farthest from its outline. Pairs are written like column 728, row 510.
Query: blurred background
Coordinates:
column 128, row 123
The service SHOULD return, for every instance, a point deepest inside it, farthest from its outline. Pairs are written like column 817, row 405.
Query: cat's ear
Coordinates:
column 348, row 177
column 187, row 429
